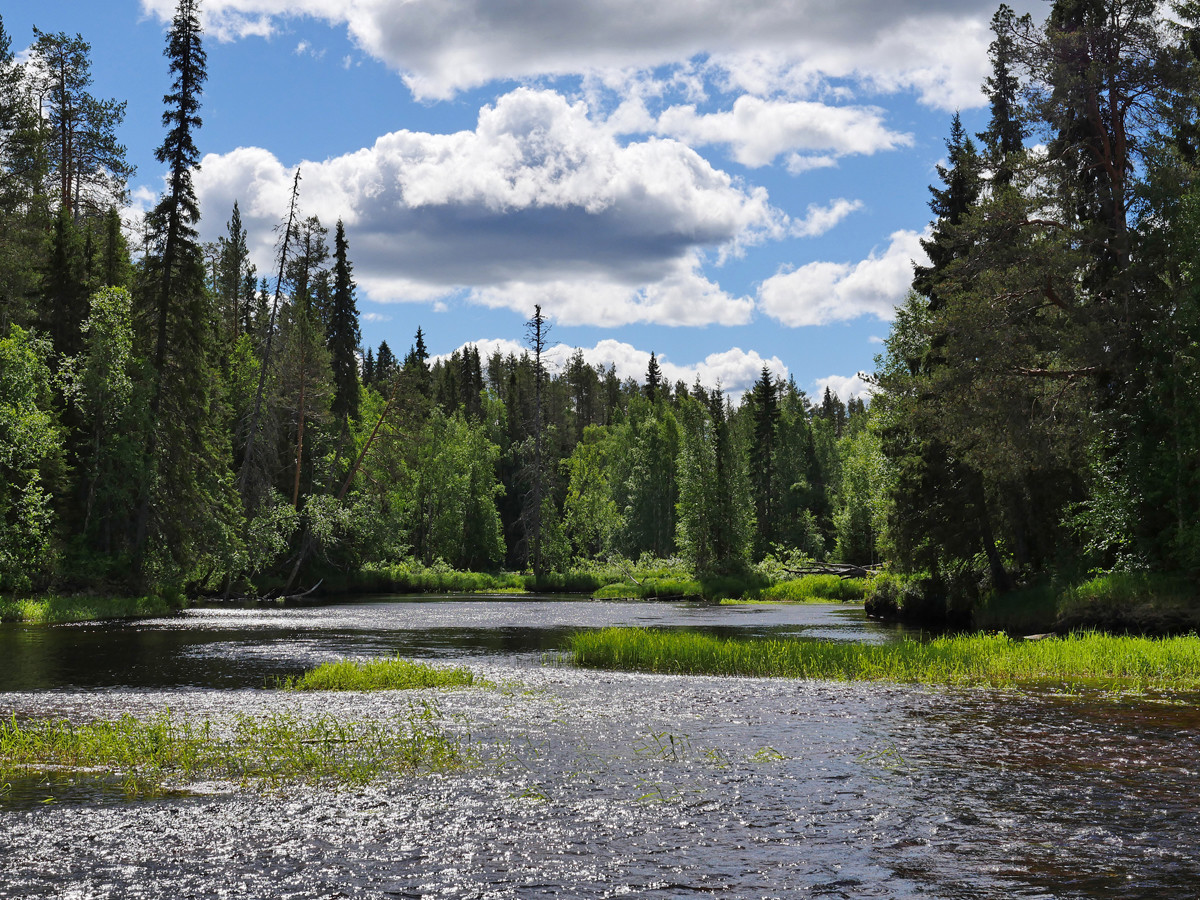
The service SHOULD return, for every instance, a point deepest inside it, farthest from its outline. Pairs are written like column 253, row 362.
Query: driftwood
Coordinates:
column 841, row 570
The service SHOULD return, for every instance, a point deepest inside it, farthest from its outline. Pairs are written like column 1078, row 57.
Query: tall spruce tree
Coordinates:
column 763, row 463
column 343, row 336
column 1005, row 134
column 186, row 507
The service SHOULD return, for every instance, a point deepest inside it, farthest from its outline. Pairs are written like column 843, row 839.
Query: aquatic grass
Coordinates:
column 810, row 589
column 1120, row 663
column 54, row 609
column 388, row 674
column 653, row 588
column 147, row 755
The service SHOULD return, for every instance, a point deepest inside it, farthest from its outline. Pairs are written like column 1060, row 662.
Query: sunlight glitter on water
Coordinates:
column 599, row 784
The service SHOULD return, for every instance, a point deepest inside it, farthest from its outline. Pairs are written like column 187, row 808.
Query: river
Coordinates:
column 602, row 784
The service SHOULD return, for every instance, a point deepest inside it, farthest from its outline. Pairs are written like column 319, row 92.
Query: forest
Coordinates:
column 174, row 421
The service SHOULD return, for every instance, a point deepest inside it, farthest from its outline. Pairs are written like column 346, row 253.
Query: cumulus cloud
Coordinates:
column 757, row 130
column 735, row 370
column 538, row 202
column 844, row 386
column 821, row 219
column 824, row 292
column 935, row 47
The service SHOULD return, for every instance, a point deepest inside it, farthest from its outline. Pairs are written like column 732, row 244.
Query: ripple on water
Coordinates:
column 604, row 784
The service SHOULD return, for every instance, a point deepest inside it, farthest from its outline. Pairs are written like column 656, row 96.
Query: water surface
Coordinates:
column 607, row 784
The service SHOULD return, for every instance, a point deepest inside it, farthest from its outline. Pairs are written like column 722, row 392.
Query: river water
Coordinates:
column 601, row 784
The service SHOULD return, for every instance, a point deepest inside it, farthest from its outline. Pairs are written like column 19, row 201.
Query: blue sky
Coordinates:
column 727, row 185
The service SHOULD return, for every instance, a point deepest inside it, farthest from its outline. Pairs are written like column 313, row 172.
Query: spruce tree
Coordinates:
column 343, row 336
column 962, row 180
column 231, row 271
column 653, row 378
column 763, row 462
column 185, row 505
column 1005, row 135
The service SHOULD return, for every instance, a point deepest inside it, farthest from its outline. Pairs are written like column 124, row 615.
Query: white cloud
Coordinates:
column 824, row 292
column 539, row 201
column 735, row 370
column 758, row 130
column 681, row 297
column 934, row 47
column 845, row 386
column 821, row 219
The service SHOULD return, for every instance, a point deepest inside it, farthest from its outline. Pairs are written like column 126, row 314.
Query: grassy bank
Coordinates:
column 149, row 755
column 809, row 589
column 402, row 579
column 49, row 610
column 377, row 675
column 1122, row 663
column 1117, row 602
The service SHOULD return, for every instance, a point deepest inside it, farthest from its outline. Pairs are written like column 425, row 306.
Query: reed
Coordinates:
column 1114, row 662
column 147, row 755
column 389, row 674
column 51, row 610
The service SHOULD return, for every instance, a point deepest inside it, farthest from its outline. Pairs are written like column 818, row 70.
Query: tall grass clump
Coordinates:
column 978, row 659
column 376, row 675
column 816, row 589
column 652, row 588
column 147, row 755
column 52, row 610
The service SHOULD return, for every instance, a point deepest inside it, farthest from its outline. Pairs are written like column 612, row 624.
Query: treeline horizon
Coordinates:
column 176, row 420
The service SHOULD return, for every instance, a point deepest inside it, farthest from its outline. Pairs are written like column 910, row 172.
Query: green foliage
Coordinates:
column 377, row 675
column 816, row 588
column 715, row 516
column 1088, row 660
column 591, row 515
column 30, row 453
column 53, row 610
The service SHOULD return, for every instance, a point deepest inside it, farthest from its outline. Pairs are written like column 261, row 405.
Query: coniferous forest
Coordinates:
column 174, row 421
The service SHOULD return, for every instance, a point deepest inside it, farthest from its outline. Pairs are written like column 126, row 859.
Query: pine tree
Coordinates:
column 343, row 336
column 87, row 162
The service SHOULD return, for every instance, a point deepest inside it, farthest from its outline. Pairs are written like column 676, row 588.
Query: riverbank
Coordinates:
column 60, row 610
column 1117, row 603
column 1100, row 661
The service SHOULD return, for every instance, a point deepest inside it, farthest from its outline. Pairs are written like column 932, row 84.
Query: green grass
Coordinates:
column 377, row 675
column 652, row 588
column 149, row 755
column 50, row 610
column 1119, row 663
column 812, row 589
